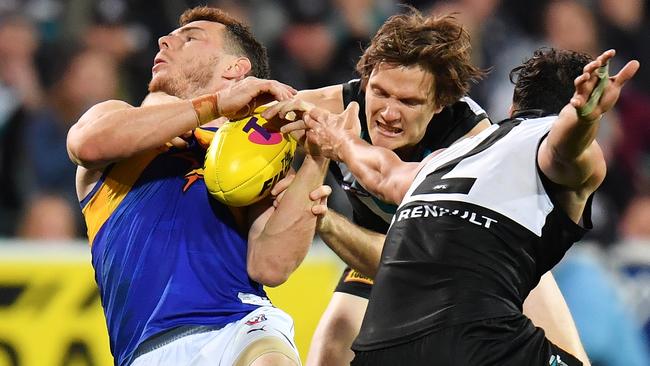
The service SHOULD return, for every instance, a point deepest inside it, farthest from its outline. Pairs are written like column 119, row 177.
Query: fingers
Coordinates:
column 319, row 209
column 351, row 118
column 289, row 110
column 626, row 73
column 179, row 143
column 351, row 110
column 267, row 88
column 283, row 184
column 606, row 56
column 320, row 193
column 293, row 126
column 319, row 196
column 318, row 114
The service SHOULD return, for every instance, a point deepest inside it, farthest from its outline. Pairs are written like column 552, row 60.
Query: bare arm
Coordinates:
column 379, row 170
column 570, row 156
column 359, row 248
column 279, row 238
column 115, row 130
column 329, row 98
column 546, row 307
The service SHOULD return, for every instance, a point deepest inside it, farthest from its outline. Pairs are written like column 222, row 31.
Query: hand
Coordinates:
column 318, row 196
column 288, row 112
column 241, row 98
column 328, row 131
column 586, row 83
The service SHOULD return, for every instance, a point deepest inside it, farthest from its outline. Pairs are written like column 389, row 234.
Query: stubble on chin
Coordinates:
column 166, row 85
column 192, row 82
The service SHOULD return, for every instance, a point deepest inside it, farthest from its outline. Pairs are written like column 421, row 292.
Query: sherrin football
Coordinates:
column 245, row 160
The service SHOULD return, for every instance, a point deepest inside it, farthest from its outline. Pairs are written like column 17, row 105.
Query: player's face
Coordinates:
column 191, row 60
column 399, row 106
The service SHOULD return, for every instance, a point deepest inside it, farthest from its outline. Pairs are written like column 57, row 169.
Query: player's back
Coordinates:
column 474, row 234
column 165, row 253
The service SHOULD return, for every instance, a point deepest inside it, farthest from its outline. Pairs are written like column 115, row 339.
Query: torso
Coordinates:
column 165, row 253
column 474, row 234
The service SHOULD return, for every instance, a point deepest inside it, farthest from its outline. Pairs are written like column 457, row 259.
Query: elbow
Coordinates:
column 83, row 150
column 267, row 274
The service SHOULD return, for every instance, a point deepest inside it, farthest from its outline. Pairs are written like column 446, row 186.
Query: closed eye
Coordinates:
column 379, row 92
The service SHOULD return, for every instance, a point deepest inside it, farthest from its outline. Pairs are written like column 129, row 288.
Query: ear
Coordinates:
column 238, row 69
column 438, row 109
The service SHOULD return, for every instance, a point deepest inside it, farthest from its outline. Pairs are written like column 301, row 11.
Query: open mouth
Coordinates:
column 388, row 130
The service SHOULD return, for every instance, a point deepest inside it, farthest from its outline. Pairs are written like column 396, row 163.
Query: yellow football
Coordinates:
column 245, row 160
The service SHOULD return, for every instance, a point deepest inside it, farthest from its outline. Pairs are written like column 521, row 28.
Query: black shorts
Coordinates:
column 508, row 341
column 354, row 283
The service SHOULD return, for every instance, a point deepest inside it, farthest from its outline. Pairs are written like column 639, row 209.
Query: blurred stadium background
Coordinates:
column 58, row 57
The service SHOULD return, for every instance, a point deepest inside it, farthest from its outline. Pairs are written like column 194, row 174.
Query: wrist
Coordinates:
column 206, row 108
column 343, row 150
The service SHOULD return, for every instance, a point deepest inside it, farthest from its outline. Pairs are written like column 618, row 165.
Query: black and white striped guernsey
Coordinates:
column 445, row 127
column 472, row 237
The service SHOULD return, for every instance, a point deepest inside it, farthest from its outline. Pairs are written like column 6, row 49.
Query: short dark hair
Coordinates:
column 439, row 45
column 545, row 81
column 239, row 38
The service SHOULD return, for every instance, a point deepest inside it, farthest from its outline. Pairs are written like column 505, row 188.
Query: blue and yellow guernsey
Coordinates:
column 165, row 253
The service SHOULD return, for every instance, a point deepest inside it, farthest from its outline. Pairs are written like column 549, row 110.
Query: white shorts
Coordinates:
column 267, row 329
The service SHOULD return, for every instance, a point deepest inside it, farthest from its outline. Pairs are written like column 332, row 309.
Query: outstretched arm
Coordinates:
column 570, row 156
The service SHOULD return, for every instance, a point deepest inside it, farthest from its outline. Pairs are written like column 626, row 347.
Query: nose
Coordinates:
column 165, row 42
column 390, row 112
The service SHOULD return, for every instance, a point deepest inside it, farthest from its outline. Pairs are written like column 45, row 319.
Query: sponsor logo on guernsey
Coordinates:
column 354, row 276
column 253, row 299
column 556, row 361
column 429, row 210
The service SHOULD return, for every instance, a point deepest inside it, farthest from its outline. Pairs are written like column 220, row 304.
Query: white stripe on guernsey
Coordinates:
column 477, row 109
column 507, row 178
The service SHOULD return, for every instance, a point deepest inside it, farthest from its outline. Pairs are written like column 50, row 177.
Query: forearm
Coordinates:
column 329, row 98
column 359, row 248
column 546, row 307
column 571, row 135
column 379, row 170
column 570, row 156
column 279, row 242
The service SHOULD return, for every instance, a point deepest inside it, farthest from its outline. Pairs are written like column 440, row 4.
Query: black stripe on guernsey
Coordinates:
column 434, row 183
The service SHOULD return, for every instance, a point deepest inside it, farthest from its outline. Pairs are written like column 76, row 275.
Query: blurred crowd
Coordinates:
column 59, row 57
